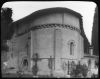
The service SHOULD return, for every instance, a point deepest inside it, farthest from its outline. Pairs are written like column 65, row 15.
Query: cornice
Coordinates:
column 50, row 26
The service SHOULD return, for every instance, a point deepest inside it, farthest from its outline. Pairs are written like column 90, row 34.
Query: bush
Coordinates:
column 79, row 71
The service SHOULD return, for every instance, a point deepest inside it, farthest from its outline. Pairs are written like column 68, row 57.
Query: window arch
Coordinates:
column 71, row 47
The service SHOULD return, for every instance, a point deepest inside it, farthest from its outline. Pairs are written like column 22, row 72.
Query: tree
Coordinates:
column 95, row 33
column 6, row 29
column 6, row 32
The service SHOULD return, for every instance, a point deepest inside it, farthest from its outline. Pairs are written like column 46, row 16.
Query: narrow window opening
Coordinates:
column 71, row 48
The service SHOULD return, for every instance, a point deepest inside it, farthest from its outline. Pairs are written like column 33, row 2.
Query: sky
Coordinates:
column 85, row 8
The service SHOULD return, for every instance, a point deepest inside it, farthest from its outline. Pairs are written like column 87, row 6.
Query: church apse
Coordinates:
column 55, row 36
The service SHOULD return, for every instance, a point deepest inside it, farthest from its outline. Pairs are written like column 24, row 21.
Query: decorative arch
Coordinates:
column 72, row 41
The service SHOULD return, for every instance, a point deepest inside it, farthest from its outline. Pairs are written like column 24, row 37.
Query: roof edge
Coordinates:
column 48, row 11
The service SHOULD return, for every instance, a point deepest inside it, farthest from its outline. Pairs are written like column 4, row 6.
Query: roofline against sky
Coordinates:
column 48, row 11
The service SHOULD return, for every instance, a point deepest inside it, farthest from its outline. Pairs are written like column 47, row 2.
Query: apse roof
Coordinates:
column 47, row 11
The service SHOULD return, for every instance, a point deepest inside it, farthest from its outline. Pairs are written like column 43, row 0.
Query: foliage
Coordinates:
column 6, row 29
column 97, row 63
column 95, row 32
column 79, row 70
column 4, row 46
column 84, row 70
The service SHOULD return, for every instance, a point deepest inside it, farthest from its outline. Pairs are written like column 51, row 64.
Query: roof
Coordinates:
column 47, row 11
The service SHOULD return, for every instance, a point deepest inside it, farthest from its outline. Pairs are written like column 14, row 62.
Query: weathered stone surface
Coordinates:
column 50, row 35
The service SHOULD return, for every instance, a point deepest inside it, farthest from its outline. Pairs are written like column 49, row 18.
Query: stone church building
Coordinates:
column 53, row 33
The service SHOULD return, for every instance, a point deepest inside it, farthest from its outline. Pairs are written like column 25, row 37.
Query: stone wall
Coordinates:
column 51, row 40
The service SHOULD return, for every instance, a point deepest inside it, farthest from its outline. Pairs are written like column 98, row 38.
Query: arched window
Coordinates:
column 71, row 48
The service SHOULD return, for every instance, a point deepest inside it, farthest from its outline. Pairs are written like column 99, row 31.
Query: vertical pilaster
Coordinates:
column 31, row 33
column 54, row 46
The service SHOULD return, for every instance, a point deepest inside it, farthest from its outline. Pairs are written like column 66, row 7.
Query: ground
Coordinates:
column 15, row 75
column 26, row 76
